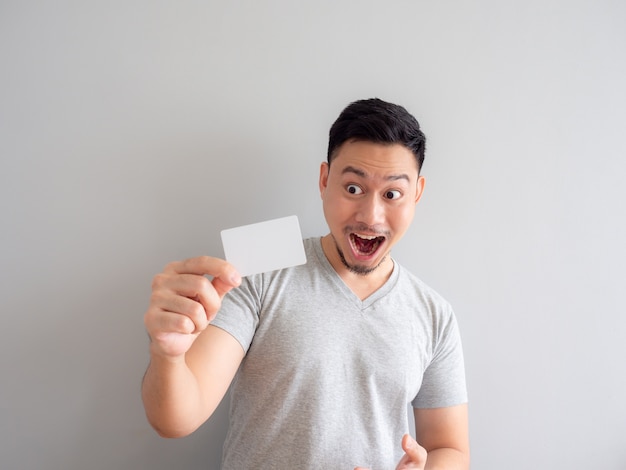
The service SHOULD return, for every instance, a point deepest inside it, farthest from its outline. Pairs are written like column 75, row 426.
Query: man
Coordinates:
column 327, row 356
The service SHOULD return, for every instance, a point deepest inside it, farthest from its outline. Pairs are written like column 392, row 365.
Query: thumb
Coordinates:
column 415, row 454
column 226, row 281
column 361, row 468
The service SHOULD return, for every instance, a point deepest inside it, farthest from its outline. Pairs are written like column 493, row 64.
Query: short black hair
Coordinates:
column 375, row 120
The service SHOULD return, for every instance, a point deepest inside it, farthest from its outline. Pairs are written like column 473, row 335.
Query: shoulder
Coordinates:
column 410, row 285
column 426, row 305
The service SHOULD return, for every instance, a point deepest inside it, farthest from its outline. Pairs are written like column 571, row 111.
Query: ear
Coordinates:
column 419, row 189
column 324, row 169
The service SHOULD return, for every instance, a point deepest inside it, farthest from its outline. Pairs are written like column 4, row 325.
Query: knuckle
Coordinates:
column 147, row 319
column 195, row 310
column 199, row 316
column 158, row 280
column 204, row 284
column 182, row 324
column 199, row 284
column 156, row 297
column 169, row 267
column 152, row 321
column 212, row 306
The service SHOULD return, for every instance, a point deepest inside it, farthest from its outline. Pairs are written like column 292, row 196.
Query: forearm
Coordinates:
column 171, row 397
column 447, row 459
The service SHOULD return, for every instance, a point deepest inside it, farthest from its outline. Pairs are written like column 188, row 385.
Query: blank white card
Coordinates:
column 264, row 246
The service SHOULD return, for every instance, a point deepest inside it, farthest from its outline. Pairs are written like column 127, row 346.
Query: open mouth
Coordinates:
column 365, row 245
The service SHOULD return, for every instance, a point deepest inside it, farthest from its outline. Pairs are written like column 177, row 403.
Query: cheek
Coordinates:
column 339, row 212
column 330, row 205
column 335, row 208
column 402, row 216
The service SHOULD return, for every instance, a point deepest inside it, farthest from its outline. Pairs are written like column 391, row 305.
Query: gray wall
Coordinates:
column 132, row 132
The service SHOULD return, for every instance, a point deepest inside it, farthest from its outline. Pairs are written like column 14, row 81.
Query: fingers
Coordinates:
column 206, row 265
column 187, row 279
column 187, row 294
column 184, row 300
column 192, row 307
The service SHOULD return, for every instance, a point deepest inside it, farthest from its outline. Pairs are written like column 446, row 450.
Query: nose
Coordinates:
column 371, row 211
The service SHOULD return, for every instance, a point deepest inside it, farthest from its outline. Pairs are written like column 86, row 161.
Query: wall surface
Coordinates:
column 132, row 132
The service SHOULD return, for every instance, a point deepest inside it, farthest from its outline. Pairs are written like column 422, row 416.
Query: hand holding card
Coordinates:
column 265, row 246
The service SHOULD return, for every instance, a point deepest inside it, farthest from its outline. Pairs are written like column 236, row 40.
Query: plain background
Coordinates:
column 132, row 132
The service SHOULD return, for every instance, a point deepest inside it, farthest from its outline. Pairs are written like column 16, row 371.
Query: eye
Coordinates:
column 393, row 194
column 353, row 189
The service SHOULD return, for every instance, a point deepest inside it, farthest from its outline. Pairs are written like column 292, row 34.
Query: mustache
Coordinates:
column 366, row 230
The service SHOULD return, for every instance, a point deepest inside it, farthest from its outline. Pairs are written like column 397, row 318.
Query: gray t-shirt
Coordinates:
column 327, row 378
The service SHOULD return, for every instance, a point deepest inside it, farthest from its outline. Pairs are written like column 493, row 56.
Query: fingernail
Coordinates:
column 235, row 278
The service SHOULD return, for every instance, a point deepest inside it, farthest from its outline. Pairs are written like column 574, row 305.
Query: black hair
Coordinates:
column 375, row 120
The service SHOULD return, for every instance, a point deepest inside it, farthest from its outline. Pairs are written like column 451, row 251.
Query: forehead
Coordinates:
column 375, row 160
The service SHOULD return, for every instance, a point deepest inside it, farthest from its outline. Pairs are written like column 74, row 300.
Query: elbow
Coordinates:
column 171, row 430
column 172, row 433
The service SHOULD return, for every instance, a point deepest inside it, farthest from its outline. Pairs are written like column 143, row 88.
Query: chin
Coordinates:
column 357, row 266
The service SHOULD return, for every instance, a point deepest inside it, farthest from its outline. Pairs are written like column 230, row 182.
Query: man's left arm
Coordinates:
column 442, row 440
column 444, row 433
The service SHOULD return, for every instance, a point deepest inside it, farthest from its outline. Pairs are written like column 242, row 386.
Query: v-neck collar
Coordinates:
column 343, row 287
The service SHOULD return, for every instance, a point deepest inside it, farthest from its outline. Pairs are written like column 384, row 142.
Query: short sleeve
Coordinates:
column 443, row 383
column 239, row 313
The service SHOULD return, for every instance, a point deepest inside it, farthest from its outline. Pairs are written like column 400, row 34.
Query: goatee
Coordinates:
column 356, row 269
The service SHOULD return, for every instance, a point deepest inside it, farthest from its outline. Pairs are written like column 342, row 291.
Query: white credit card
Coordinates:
column 265, row 246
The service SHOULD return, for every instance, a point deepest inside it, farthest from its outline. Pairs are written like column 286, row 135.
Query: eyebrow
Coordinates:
column 363, row 174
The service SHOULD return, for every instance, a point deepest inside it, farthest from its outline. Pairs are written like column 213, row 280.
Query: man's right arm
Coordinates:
column 192, row 363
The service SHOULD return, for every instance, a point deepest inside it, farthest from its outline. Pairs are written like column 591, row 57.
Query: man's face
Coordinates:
column 369, row 193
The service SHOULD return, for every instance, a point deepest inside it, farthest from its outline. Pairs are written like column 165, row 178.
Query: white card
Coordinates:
column 266, row 246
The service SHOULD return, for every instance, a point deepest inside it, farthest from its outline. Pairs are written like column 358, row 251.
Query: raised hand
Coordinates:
column 184, row 301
